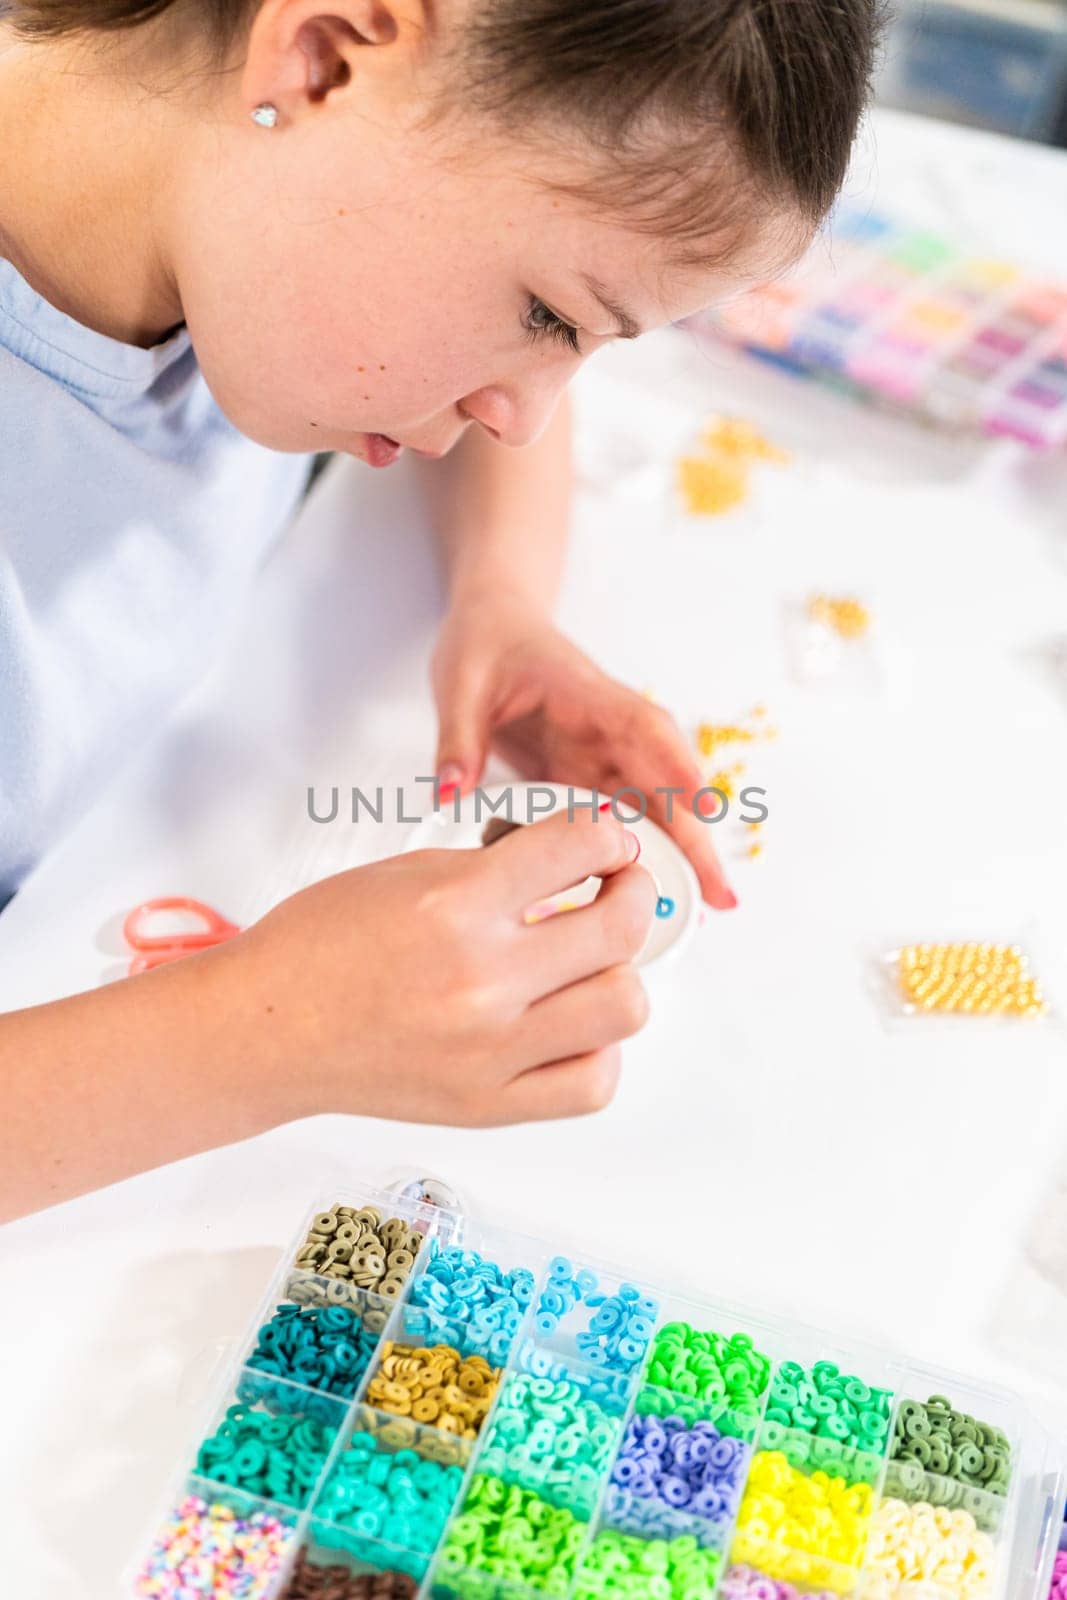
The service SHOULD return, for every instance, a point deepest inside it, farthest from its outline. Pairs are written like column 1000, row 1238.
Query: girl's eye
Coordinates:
column 541, row 321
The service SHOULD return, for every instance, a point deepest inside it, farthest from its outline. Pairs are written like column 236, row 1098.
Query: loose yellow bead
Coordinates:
column 741, row 441
column 710, row 487
column 711, row 736
column 842, row 614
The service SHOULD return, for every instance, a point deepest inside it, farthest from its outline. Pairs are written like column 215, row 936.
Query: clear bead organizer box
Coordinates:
column 429, row 1406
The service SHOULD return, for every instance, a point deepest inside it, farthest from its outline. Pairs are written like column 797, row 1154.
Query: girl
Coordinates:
column 234, row 232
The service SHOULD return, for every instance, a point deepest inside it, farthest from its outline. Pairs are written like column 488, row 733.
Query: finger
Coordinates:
column 693, row 837
column 582, row 1018
column 464, row 715
column 664, row 760
column 572, row 1088
column 546, row 857
column 608, row 932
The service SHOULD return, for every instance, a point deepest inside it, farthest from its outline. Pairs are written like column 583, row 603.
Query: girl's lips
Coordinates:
column 381, row 450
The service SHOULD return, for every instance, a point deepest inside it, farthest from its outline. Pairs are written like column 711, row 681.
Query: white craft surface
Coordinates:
column 772, row 1141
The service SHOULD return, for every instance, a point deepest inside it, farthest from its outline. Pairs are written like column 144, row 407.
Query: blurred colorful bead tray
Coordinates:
column 432, row 1408
column 898, row 316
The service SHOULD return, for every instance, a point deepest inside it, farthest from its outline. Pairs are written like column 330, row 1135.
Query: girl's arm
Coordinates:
column 502, row 515
column 412, row 988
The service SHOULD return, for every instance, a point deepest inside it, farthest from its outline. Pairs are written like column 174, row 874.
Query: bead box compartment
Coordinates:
column 715, row 1559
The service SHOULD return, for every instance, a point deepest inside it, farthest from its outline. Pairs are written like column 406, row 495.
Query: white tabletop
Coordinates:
column 773, row 1140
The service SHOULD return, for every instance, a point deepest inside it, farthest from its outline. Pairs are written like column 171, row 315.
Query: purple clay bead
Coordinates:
column 699, row 1450
column 617, row 1502
column 675, row 1491
column 626, row 1470
column 710, row 1504
column 724, row 1452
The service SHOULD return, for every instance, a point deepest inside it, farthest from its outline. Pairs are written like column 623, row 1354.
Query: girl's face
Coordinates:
column 353, row 281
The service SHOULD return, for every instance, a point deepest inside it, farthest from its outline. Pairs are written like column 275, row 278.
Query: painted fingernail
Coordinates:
column 635, row 845
column 729, row 900
column 605, row 805
column 449, row 779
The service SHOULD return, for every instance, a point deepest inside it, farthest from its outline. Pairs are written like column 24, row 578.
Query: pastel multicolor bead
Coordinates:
column 618, row 1565
column 207, row 1549
column 912, row 1545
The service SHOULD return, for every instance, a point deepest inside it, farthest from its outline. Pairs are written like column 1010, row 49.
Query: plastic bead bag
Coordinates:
column 831, row 640
column 966, row 981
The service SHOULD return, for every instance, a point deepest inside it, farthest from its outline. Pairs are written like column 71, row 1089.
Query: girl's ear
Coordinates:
column 298, row 54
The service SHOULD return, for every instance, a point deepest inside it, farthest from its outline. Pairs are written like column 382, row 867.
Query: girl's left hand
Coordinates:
column 506, row 679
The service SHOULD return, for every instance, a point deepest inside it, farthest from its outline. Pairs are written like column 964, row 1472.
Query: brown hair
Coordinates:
column 659, row 86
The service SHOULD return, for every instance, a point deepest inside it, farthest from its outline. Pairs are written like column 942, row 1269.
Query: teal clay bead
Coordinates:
column 546, row 1436
column 249, row 1451
column 825, row 1420
column 396, row 1496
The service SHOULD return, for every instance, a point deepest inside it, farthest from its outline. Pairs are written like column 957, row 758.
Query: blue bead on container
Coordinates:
column 615, row 1336
column 464, row 1299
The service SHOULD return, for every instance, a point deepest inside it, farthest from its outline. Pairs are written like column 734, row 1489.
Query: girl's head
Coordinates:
column 460, row 199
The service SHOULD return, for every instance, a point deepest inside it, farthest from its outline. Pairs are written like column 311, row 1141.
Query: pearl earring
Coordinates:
column 265, row 115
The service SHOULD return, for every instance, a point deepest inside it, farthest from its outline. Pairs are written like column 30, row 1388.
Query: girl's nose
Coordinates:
column 515, row 415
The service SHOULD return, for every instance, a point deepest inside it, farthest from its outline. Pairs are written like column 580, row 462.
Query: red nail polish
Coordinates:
column 605, row 805
column 447, row 789
column 731, row 900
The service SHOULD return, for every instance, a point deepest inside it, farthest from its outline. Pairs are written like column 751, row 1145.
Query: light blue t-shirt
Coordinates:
column 132, row 517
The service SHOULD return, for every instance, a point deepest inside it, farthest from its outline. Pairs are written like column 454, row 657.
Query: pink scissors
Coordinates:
column 157, row 949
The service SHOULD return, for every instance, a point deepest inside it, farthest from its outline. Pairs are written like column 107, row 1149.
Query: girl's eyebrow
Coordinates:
column 629, row 327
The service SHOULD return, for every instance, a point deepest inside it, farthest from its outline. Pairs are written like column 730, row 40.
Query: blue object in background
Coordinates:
column 999, row 64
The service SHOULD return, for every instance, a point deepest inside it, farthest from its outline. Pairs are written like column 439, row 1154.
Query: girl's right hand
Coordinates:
column 413, row 989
